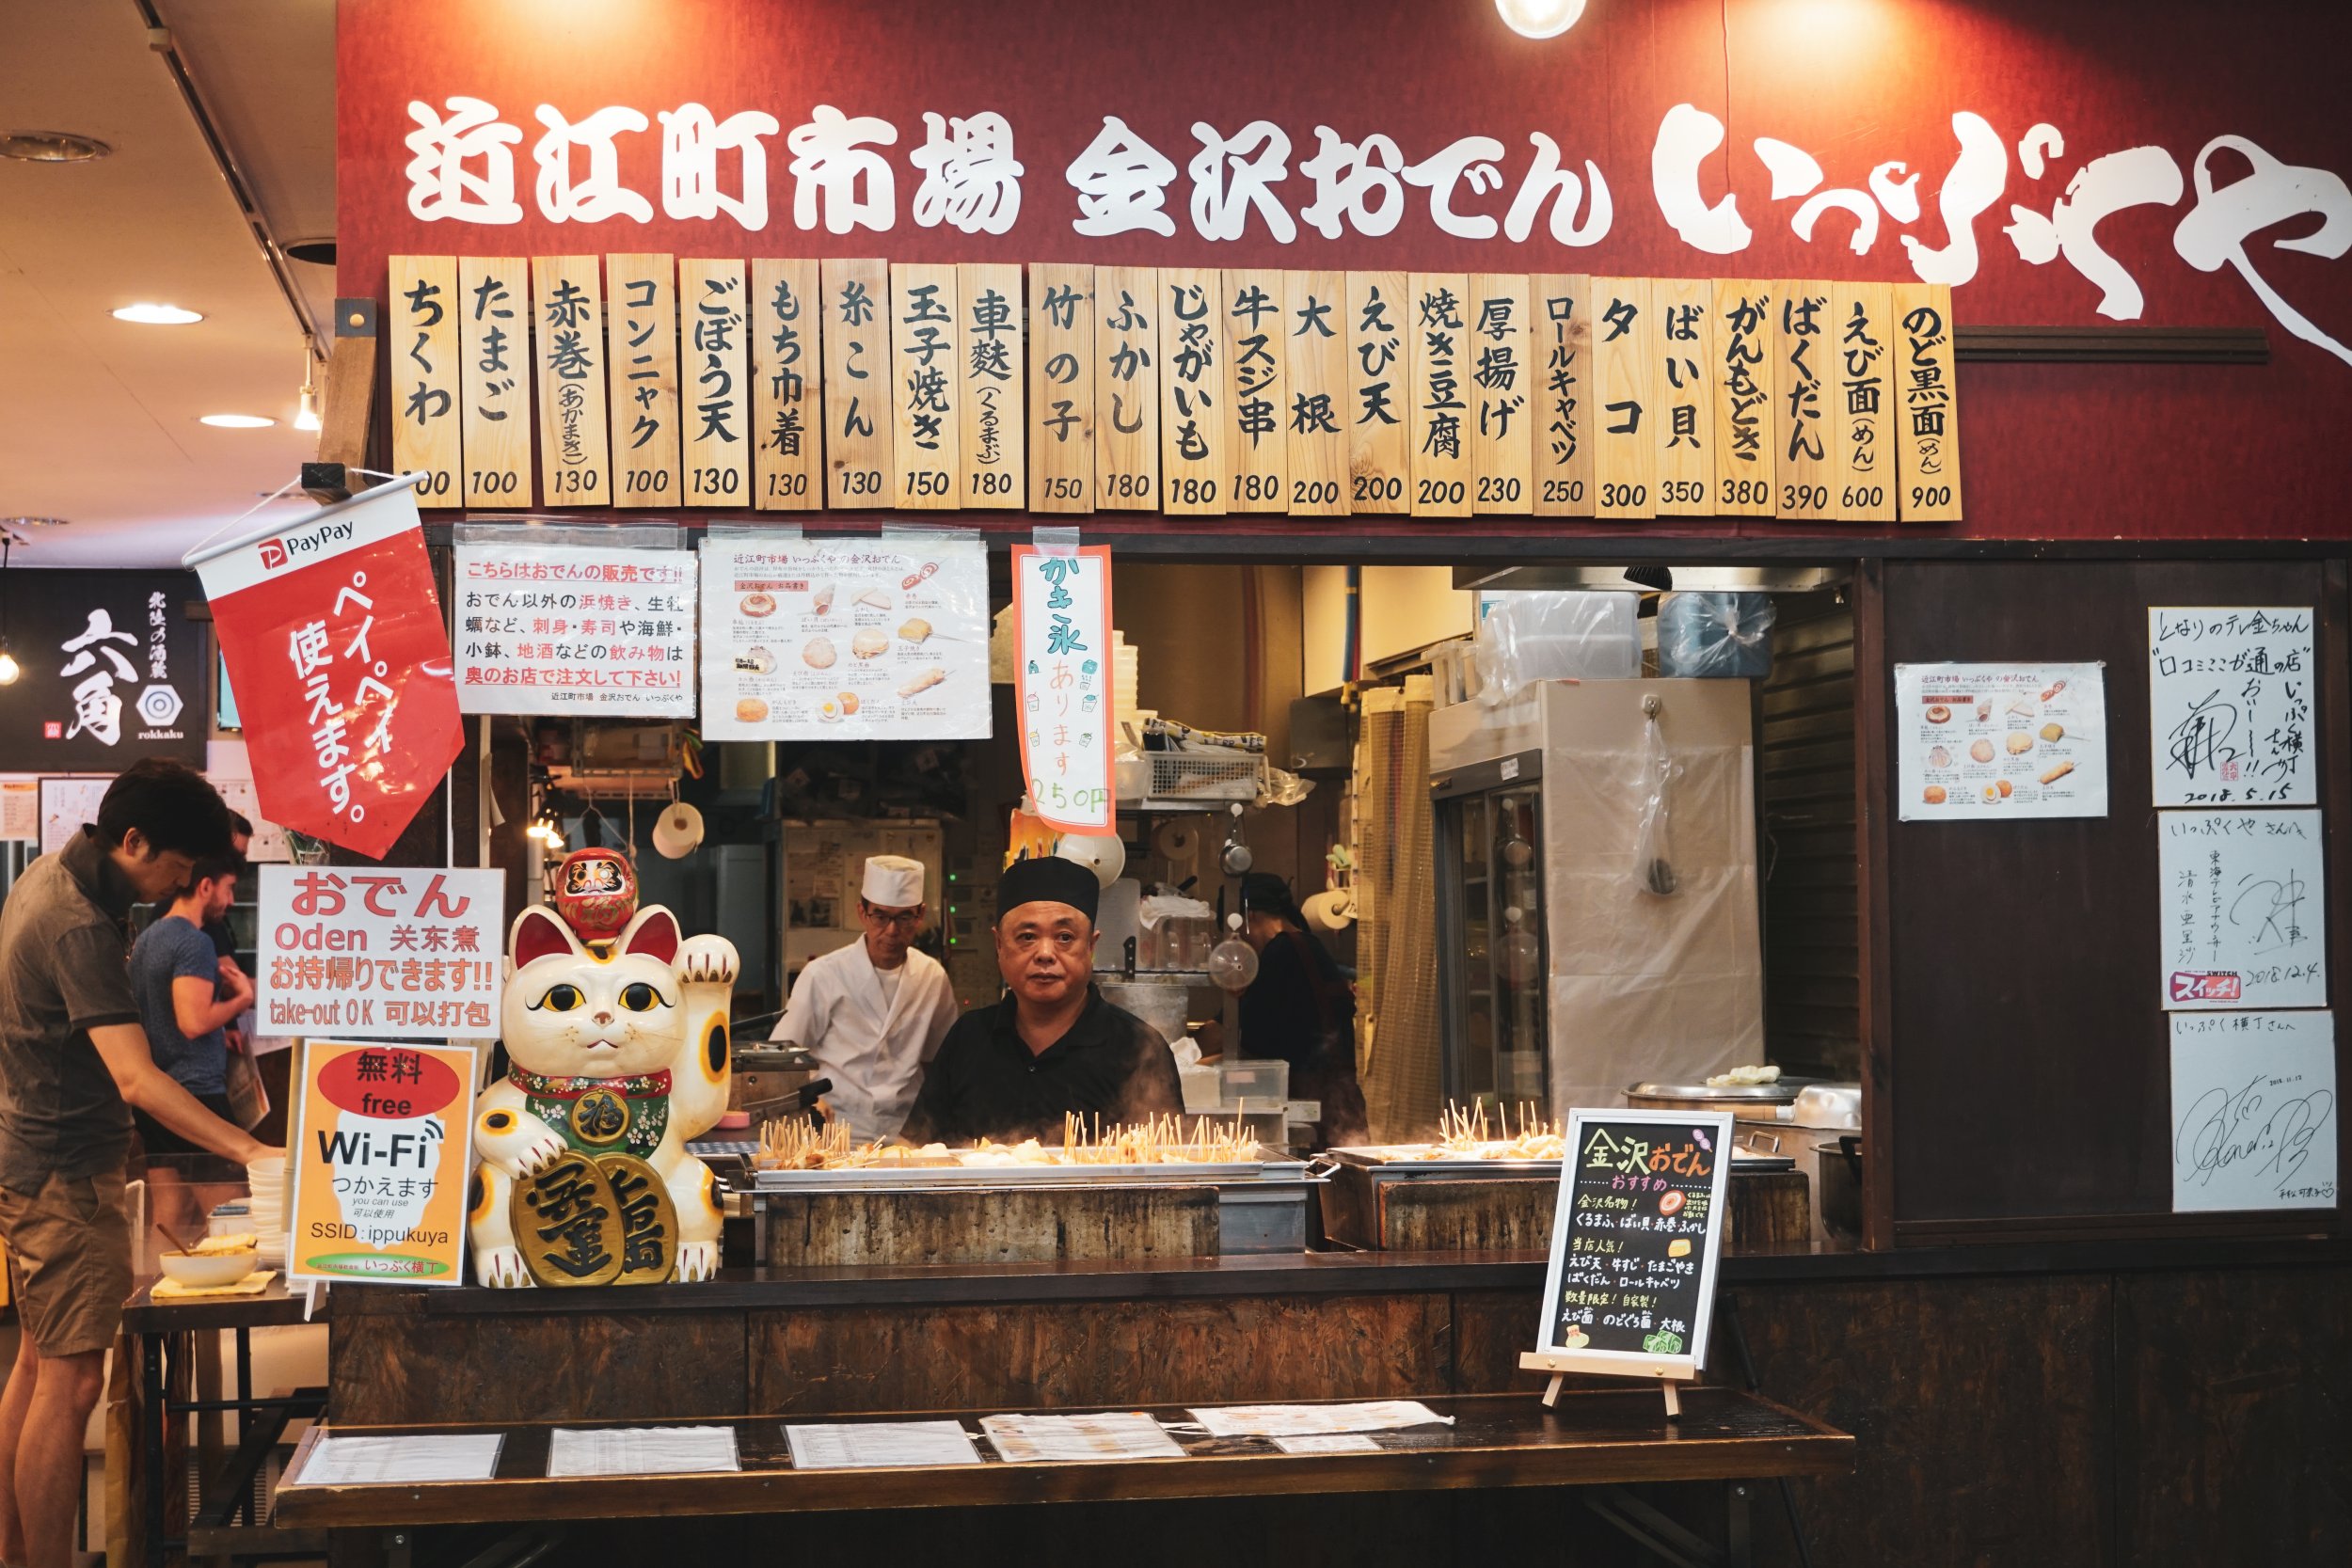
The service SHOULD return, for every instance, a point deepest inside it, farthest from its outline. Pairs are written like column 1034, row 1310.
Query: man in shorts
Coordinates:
column 73, row 1063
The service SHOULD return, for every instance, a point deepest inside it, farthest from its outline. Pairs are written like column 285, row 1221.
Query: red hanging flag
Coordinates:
column 333, row 637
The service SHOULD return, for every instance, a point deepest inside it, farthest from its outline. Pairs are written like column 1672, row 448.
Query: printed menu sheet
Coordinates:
column 543, row 627
column 2242, row 896
column 398, row 1461
column 1306, row 1420
column 844, row 638
column 641, row 1450
column 1980, row 742
column 879, row 1444
column 2254, row 1111
column 1113, row 1434
column 2230, row 694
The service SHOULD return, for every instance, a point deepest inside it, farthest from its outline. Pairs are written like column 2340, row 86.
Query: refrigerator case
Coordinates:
column 1565, row 978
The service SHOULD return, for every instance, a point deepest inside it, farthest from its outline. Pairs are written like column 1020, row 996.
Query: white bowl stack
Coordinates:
column 267, row 1180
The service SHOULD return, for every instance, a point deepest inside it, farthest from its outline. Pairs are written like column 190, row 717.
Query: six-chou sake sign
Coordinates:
column 399, row 953
column 112, row 671
column 332, row 633
column 379, row 1164
column 1062, row 683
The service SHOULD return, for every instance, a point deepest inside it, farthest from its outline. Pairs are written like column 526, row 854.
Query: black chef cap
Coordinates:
column 1047, row 880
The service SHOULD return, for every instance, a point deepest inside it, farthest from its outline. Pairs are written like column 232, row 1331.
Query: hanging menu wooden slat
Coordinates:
column 1193, row 415
column 715, row 371
column 1561, row 319
column 1440, row 388
column 1314, row 315
column 1061, row 387
column 992, row 430
column 1379, row 389
column 494, row 343
column 925, row 322
column 1926, row 404
column 427, row 425
column 1127, row 312
column 1746, row 449
column 1685, row 415
column 643, row 378
column 1500, row 359
column 1624, row 364
column 567, row 342
column 1803, row 358
column 787, row 469
column 857, row 398
column 1863, row 361
column 1257, row 384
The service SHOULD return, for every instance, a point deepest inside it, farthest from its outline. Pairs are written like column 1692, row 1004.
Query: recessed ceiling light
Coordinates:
column 51, row 147
column 319, row 252
column 236, row 421
column 33, row 522
column 157, row 315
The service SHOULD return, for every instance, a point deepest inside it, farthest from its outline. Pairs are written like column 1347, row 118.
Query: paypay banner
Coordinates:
column 333, row 636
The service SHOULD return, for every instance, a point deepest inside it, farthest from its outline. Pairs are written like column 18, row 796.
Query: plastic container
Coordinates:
column 1524, row 638
column 1715, row 635
column 1254, row 1082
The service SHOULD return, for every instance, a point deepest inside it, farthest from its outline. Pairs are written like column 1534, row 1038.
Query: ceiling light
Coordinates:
column 157, row 315
column 309, row 418
column 1540, row 18
column 51, row 147
column 8, row 671
column 236, row 421
column 318, row 252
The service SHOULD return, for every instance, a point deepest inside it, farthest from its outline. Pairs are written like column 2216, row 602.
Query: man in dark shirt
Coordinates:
column 73, row 1062
column 1053, row 1046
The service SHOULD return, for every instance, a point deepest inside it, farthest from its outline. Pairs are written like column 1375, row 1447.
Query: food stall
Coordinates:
column 1924, row 838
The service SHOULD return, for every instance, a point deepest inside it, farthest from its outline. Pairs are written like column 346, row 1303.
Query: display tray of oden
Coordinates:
column 1171, row 1187
column 1489, row 1183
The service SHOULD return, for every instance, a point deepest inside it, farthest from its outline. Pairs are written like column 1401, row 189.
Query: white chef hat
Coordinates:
column 892, row 881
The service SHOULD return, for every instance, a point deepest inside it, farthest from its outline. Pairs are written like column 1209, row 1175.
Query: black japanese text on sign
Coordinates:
column 1636, row 1237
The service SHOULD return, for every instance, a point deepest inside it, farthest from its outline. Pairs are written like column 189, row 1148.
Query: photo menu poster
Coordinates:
column 1635, row 1241
column 2243, row 909
column 858, row 638
column 2230, row 692
column 1983, row 742
column 2254, row 1111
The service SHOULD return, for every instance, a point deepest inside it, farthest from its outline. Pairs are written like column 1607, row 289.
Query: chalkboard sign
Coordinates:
column 1640, row 1224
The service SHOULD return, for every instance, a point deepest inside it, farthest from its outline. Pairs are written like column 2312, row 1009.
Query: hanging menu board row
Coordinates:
column 794, row 385
column 1635, row 1242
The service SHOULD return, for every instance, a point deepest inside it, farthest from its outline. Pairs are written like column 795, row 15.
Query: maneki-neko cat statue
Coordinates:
column 619, row 1053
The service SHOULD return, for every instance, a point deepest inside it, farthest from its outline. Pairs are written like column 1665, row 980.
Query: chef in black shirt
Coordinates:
column 1052, row 1045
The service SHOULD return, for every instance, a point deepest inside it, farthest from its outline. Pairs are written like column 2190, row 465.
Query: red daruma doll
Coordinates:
column 595, row 892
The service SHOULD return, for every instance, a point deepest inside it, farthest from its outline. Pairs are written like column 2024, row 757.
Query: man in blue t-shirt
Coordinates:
column 188, row 998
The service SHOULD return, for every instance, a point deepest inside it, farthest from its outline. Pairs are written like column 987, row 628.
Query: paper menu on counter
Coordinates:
column 2230, row 692
column 844, row 638
column 1326, row 1442
column 1117, row 1434
column 641, row 1450
column 397, row 1461
column 1300, row 1421
column 2254, row 1111
column 1982, row 742
column 879, row 1444
column 2243, row 909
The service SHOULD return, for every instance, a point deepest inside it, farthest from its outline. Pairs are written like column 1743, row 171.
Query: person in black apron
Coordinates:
column 1301, row 1009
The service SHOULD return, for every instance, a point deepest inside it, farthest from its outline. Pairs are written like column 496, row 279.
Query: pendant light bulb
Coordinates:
column 8, row 671
column 309, row 418
column 1540, row 18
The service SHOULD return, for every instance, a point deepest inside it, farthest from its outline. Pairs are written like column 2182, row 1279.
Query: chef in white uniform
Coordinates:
column 873, row 1013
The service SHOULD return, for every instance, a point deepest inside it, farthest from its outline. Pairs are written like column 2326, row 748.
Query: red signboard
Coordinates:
column 332, row 632
column 2115, row 161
